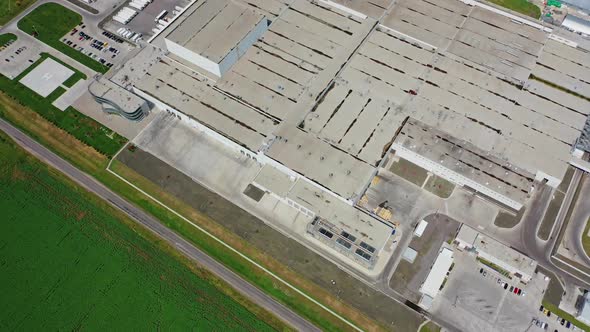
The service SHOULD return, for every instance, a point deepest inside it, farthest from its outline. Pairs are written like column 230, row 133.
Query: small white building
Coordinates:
column 584, row 313
column 420, row 228
column 436, row 277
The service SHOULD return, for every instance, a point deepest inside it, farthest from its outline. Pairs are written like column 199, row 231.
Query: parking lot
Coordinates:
column 106, row 48
column 18, row 56
column 477, row 298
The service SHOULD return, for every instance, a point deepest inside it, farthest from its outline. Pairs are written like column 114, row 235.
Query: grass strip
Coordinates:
column 494, row 267
column 49, row 23
column 520, row 6
column 55, row 94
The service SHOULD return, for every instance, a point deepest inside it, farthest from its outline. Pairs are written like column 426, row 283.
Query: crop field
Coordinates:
column 67, row 263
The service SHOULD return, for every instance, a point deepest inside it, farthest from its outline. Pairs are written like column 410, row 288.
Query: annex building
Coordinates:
column 320, row 92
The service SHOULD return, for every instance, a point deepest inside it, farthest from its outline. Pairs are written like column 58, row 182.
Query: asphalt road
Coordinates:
column 577, row 224
column 542, row 251
column 248, row 290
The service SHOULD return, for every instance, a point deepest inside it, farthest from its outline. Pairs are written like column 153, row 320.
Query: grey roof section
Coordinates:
column 584, row 142
column 576, row 24
column 189, row 93
column 374, row 8
column 565, row 66
column 345, row 217
column 467, row 160
column 320, row 162
column 307, row 41
column 212, row 28
column 434, row 22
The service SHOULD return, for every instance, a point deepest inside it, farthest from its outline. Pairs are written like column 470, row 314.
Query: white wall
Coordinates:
column 193, row 57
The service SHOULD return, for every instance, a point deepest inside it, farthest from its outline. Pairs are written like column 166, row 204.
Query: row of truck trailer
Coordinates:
column 126, row 14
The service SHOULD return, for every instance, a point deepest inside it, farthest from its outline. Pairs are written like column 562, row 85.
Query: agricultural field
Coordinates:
column 11, row 8
column 49, row 23
column 70, row 262
column 521, row 6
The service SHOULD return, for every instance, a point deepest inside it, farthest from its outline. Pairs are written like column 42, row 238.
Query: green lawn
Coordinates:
column 586, row 238
column 49, row 23
column 520, row 6
column 77, row 124
column 70, row 262
column 55, row 94
column 10, row 8
column 6, row 37
column 430, row 327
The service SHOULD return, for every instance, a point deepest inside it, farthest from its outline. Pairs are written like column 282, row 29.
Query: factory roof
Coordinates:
column 201, row 26
column 320, row 162
column 335, row 92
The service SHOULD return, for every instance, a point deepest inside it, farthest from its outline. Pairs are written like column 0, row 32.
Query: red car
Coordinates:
column 516, row 290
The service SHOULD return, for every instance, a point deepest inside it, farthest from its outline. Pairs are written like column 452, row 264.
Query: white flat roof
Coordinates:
column 212, row 28
column 438, row 273
column 420, row 228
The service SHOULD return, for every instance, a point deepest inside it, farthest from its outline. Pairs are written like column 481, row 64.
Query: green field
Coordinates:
column 10, row 8
column 520, row 6
column 84, row 128
column 49, row 23
column 586, row 238
column 68, row 263
column 6, row 37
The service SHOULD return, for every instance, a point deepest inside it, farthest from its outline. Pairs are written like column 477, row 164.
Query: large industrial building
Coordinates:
column 321, row 92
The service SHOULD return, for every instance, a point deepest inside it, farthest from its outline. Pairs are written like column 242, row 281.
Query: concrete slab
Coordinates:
column 46, row 77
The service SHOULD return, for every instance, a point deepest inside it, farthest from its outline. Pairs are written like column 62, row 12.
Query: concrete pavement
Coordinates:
column 147, row 221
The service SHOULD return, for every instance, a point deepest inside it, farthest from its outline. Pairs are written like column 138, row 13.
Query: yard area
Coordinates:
column 408, row 277
column 49, row 23
column 11, row 8
column 84, row 128
column 409, row 171
column 70, row 261
column 439, row 186
column 521, row 6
